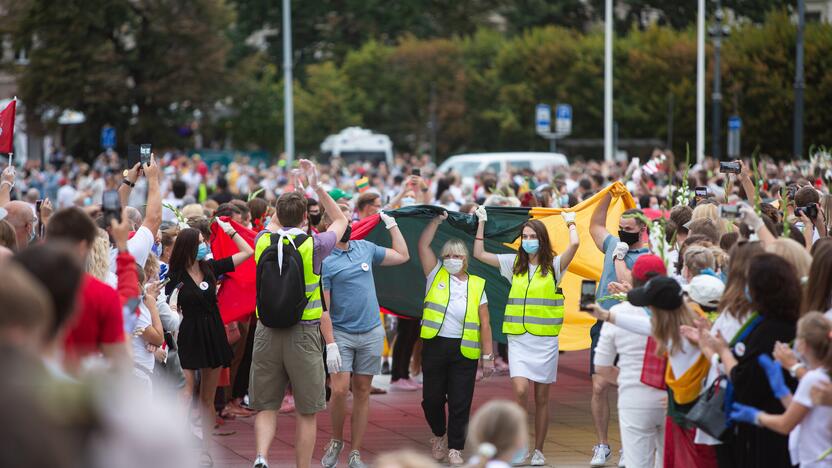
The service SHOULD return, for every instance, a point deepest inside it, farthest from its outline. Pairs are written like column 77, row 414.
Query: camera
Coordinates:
column 111, row 206
column 587, row 294
column 729, row 167
column 729, row 211
column 811, row 211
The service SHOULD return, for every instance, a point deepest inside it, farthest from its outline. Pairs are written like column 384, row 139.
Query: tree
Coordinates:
column 140, row 65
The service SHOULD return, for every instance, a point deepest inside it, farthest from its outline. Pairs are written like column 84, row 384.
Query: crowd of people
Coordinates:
column 713, row 308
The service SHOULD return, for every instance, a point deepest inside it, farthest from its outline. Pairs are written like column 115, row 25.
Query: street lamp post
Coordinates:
column 799, row 82
column 700, row 83
column 716, row 96
column 608, row 136
column 288, row 105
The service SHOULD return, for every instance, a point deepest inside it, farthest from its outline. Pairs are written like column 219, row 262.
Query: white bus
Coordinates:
column 357, row 144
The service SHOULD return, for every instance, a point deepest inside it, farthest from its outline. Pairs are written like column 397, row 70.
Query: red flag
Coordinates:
column 7, row 128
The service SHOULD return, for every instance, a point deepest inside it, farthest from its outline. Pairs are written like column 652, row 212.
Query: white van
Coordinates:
column 357, row 144
column 469, row 165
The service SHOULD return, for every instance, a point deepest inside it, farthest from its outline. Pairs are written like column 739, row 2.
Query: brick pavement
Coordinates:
column 396, row 421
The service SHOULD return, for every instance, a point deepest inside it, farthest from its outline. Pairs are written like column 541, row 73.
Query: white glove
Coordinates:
column 333, row 358
column 482, row 216
column 749, row 217
column 389, row 221
column 225, row 226
column 311, row 172
column 568, row 216
column 620, row 250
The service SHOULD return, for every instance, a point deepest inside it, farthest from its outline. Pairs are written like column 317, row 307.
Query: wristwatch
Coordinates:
column 488, row 357
column 793, row 369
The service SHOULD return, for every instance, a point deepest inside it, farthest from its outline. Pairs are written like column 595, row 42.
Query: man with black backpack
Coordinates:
column 287, row 340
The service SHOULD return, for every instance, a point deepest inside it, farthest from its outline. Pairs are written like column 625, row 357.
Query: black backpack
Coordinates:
column 281, row 293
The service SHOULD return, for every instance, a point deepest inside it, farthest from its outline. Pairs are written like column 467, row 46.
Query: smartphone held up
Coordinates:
column 587, row 294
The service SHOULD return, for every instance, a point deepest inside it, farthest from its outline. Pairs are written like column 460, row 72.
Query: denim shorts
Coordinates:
column 361, row 352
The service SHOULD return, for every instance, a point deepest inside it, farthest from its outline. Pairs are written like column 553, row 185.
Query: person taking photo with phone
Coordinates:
column 534, row 313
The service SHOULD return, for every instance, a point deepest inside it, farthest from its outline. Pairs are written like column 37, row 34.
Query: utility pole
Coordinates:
column 799, row 82
column 700, row 83
column 716, row 95
column 608, row 130
column 288, row 104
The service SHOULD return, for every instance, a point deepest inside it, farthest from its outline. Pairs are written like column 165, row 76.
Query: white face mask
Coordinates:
column 453, row 265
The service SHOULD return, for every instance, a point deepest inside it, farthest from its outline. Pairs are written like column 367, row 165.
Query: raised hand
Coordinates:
column 482, row 215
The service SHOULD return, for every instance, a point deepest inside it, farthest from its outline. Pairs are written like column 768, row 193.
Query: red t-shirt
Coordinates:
column 98, row 320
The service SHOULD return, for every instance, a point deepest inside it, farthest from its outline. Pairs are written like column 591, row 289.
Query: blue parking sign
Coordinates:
column 108, row 137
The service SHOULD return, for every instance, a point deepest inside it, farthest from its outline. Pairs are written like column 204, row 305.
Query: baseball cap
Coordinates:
column 705, row 290
column 662, row 292
column 338, row 194
column 647, row 264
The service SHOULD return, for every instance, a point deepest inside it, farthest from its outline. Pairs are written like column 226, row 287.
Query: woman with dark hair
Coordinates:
column 534, row 313
column 775, row 295
column 202, row 342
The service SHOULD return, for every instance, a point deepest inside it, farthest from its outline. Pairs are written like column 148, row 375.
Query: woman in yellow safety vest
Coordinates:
column 456, row 334
column 533, row 315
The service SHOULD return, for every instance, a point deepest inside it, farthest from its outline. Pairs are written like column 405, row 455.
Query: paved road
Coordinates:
column 396, row 421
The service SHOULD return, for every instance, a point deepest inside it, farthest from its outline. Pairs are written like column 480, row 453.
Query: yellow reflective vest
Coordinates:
column 535, row 305
column 436, row 303
column 314, row 308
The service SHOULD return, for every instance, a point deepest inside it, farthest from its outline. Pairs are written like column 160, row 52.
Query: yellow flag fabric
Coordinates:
column 588, row 262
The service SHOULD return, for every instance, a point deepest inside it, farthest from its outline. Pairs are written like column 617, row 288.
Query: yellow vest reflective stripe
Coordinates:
column 314, row 308
column 436, row 303
column 534, row 306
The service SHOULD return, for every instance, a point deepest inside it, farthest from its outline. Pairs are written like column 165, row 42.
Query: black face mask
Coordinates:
column 629, row 238
column 315, row 219
column 347, row 233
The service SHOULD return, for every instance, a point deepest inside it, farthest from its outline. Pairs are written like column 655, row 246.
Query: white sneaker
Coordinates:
column 260, row 462
column 621, row 458
column 523, row 461
column 537, row 458
column 333, row 449
column 455, row 458
column 601, row 454
column 439, row 448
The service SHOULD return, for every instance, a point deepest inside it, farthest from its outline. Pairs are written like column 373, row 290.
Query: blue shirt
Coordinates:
column 348, row 276
column 608, row 273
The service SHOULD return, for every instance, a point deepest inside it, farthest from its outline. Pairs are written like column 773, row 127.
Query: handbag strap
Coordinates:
column 746, row 328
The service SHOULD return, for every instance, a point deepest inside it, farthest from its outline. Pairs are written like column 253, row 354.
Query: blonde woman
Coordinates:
column 794, row 253
column 456, row 334
column 499, row 433
column 99, row 260
column 711, row 211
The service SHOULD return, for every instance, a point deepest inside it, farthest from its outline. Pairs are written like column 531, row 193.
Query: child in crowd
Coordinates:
column 499, row 433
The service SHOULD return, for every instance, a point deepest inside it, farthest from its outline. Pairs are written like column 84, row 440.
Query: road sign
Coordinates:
column 734, row 128
column 563, row 119
column 108, row 137
column 543, row 118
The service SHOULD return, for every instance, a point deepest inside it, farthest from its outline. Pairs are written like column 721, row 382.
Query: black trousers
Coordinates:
column 449, row 377
column 407, row 331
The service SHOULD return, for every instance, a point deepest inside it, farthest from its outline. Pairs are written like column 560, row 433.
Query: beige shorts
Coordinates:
column 284, row 356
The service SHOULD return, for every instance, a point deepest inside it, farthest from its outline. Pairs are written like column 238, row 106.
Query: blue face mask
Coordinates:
column 519, row 456
column 202, row 251
column 748, row 295
column 407, row 201
column 530, row 246
column 564, row 201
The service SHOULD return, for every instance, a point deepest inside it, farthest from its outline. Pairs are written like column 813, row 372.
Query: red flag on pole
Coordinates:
column 7, row 128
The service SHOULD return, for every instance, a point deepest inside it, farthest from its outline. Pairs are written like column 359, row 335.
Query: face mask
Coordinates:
column 407, row 201
column 564, row 201
column 748, row 295
column 654, row 207
column 453, row 265
column 519, row 457
column 315, row 219
column 347, row 232
column 202, row 251
column 530, row 245
column 629, row 238
column 87, row 201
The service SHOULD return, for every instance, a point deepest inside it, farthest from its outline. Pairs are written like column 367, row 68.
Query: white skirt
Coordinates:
column 533, row 357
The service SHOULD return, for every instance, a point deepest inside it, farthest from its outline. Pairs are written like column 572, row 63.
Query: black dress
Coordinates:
column 202, row 341
column 754, row 446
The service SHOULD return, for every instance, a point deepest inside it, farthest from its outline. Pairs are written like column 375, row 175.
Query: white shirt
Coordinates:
column 457, row 305
column 813, row 435
column 66, row 196
column 680, row 361
column 507, row 265
column 139, row 247
column 141, row 355
column 630, row 348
